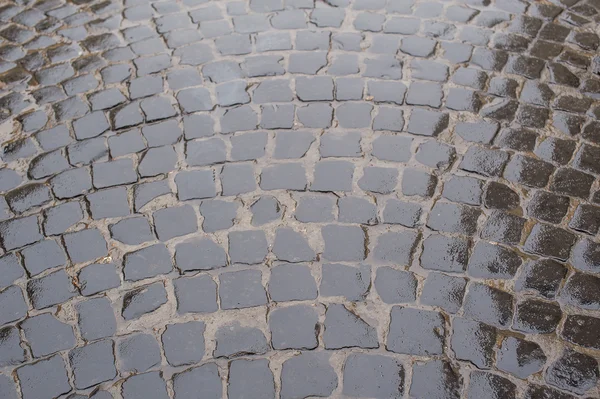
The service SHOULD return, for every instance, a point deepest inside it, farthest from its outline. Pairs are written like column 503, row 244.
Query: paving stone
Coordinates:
column 427, row 123
column 137, row 266
column 250, row 377
column 453, row 218
column 46, row 377
column 474, row 342
column 143, row 300
column 265, row 210
column 107, row 174
column 249, row 247
column 234, row 339
column 395, row 247
column 344, row 329
column 98, row 277
column 417, row 182
column 11, row 352
column 311, row 367
column 133, row 231
column 400, row 212
column 202, row 380
column 241, row 289
column 196, row 294
column 96, row 319
column 51, row 289
column 435, row 379
column 549, row 241
column 444, row 291
column 488, row 385
column 395, row 286
column 138, row 353
column 520, row 358
column 378, row 179
column 573, row 371
column 534, row 316
column 314, row 209
column 8, row 388
column 143, row 385
column 93, row 364
column 488, row 305
column 464, row 189
column 504, row 228
column 184, row 343
column 585, row 254
column 108, row 203
column 367, row 375
column 350, row 282
column 218, row 215
column 200, row 254
column 85, row 245
column 580, row 330
column 174, row 222
column 343, row 243
column 291, row 282
column 423, row 337
column 333, row 176
column 578, row 291
column 294, row 327
column 43, row 255
column 571, row 182
column 12, row 269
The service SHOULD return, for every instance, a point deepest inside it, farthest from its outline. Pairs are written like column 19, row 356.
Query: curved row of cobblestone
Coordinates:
column 299, row 198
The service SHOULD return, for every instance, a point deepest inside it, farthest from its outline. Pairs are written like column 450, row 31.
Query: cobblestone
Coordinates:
column 299, row 198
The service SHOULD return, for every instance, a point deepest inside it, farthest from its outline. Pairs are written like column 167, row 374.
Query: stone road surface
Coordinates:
column 299, row 198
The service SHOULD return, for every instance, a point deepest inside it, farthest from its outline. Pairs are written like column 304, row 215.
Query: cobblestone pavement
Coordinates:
column 299, row 198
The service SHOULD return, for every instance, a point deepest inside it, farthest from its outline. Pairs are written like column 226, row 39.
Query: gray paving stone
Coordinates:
column 93, row 364
column 203, row 254
column 138, row 353
column 291, row 282
column 47, row 335
column 174, row 222
column 51, row 289
column 353, row 283
column 234, row 339
column 96, row 319
column 46, row 377
column 184, row 343
column 145, row 385
column 250, row 377
column 344, row 329
column 308, row 367
column 241, row 289
column 145, row 299
column 415, row 332
column 294, row 327
column 367, row 375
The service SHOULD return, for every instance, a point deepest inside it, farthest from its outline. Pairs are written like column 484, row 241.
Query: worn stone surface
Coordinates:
column 200, row 198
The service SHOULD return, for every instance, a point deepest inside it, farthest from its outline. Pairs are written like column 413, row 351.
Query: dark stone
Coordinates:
column 580, row 291
column 586, row 219
column 474, row 342
column 344, row 329
column 453, row 218
column 435, row 379
column 574, row 372
column 571, row 182
column 138, row 353
column 582, row 330
column 233, row 340
column 93, row 364
column 560, row 74
column 487, row 385
column 585, row 255
column 483, row 161
column 556, row 150
column 550, row 241
column 368, row 375
column 143, row 300
column 445, row 253
column 489, row 305
column 490, row 261
column 543, row 276
column 520, row 358
column 538, row 317
column 544, row 392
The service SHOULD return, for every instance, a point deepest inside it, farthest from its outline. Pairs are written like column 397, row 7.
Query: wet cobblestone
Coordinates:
column 299, row 198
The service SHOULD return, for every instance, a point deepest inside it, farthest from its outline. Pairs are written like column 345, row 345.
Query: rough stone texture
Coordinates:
column 348, row 191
